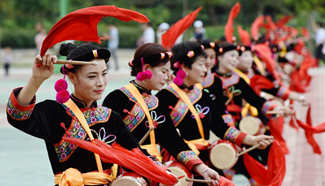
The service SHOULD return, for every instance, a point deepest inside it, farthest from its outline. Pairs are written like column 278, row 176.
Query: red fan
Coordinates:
column 256, row 26
column 171, row 35
column 243, row 36
column 81, row 24
column 229, row 28
column 134, row 160
column 276, row 168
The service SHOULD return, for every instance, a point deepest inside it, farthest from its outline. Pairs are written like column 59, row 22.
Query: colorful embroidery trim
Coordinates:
column 186, row 156
column 227, row 82
column 17, row 111
column 93, row 116
column 231, row 134
column 65, row 149
column 137, row 114
column 209, row 80
column 180, row 110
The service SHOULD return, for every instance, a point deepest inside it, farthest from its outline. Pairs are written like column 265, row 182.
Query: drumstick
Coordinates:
column 277, row 112
column 145, row 136
column 249, row 149
column 73, row 62
column 197, row 180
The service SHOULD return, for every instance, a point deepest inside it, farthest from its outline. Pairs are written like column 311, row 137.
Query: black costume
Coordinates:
column 123, row 102
column 211, row 114
column 44, row 120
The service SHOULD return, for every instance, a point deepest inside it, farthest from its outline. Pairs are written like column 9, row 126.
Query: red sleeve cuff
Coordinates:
column 189, row 159
column 235, row 136
column 240, row 138
column 16, row 110
column 190, row 164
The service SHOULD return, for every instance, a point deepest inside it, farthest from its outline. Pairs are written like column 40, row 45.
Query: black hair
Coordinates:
column 208, row 44
column 223, row 47
column 243, row 48
column 83, row 52
column 183, row 55
column 150, row 53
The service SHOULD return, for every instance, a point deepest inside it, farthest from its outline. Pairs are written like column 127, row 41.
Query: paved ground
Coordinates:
column 23, row 159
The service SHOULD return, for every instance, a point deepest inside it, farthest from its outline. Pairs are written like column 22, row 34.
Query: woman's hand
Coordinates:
column 207, row 173
column 262, row 140
column 42, row 70
column 43, row 67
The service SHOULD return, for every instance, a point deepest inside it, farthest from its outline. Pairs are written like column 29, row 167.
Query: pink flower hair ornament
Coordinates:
column 145, row 74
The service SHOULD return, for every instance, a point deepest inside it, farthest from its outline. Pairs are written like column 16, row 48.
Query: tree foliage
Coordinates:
column 19, row 17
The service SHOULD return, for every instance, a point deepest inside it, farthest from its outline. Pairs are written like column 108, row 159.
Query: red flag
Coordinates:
column 256, row 26
column 170, row 36
column 276, row 167
column 134, row 160
column 81, row 24
column 243, row 36
column 229, row 28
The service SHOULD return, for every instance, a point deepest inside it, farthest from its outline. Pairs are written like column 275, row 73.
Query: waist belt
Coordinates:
column 73, row 177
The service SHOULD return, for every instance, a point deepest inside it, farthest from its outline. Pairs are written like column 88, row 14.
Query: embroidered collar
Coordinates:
column 224, row 75
column 186, row 88
column 82, row 104
column 209, row 80
column 140, row 88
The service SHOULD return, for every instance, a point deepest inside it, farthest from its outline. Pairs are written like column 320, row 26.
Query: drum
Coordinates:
column 129, row 179
column 223, row 154
column 179, row 170
column 251, row 125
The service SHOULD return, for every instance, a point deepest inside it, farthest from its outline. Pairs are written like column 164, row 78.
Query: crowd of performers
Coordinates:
column 240, row 89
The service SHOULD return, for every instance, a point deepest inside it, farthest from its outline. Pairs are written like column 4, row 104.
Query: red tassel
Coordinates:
column 283, row 21
column 265, row 53
column 276, row 128
column 81, row 24
column 305, row 33
column 229, row 30
column 171, row 35
column 244, row 36
column 259, row 83
column 134, row 160
column 256, row 26
column 276, row 167
column 129, row 113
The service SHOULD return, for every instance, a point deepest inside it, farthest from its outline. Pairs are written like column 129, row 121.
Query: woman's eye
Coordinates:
column 91, row 77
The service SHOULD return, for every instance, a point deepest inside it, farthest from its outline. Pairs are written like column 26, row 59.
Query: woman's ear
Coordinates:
column 146, row 67
column 72, row 78
column 185, row 68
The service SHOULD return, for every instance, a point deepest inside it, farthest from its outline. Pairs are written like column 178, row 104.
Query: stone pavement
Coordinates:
column 23, row 159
